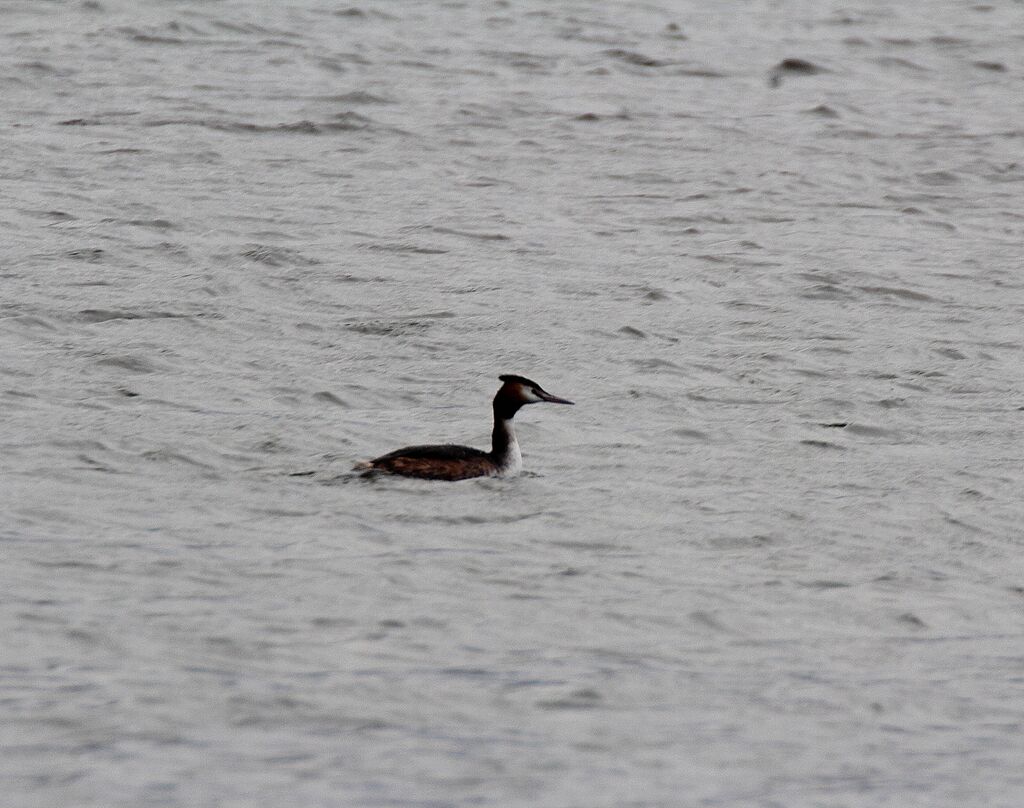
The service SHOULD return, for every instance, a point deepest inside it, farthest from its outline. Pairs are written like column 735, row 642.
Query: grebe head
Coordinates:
column 518, row 390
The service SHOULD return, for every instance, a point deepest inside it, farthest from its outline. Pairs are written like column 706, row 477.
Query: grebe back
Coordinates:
column 451, row 462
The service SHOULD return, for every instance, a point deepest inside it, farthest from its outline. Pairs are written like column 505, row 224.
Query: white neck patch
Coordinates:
column 512, row 462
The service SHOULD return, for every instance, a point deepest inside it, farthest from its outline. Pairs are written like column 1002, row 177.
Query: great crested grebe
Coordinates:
column 451, row 462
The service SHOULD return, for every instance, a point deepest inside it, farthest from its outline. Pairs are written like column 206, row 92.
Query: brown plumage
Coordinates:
column 452, row 462
column 446, row 462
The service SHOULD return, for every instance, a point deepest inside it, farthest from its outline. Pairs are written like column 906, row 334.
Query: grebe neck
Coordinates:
column 504, row 446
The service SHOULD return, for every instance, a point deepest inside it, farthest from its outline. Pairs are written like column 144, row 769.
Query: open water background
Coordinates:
column 773, row 557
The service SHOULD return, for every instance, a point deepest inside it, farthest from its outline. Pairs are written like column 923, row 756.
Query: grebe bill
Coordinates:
column 451, row 462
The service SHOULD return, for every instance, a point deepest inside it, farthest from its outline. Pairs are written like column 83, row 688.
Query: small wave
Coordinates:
column 468, row 234
column 793, row 67
column 635, row 58
column 105, row 315
column 889, row 291
column 403, row 248
column 330, row 398
column 29, row 322
column 355, row 97
column 155, row 39
column 45, row 67
column 173, row 457
column 52, row 215
column 822, row 111
column 342, row 122
column 585, row 699
column 699, row 73
column 173, row 33
column 153, row 224
column 134, row 364
column 384, row 328
column 354, row 12
column 250, row 28
column 902, row 64
column 592, row 117
column 90, row 254
column 822, row 444
column 276, row 256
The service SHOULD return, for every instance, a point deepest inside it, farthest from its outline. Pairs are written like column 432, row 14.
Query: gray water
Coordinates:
column 771, row 558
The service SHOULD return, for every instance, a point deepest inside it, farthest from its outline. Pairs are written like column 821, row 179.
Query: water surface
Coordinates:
column 773, row 252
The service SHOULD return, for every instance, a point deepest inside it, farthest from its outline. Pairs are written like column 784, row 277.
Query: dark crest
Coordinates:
column 518, row 380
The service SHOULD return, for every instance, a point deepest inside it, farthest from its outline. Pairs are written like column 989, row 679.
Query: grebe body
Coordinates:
column 452, row 462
